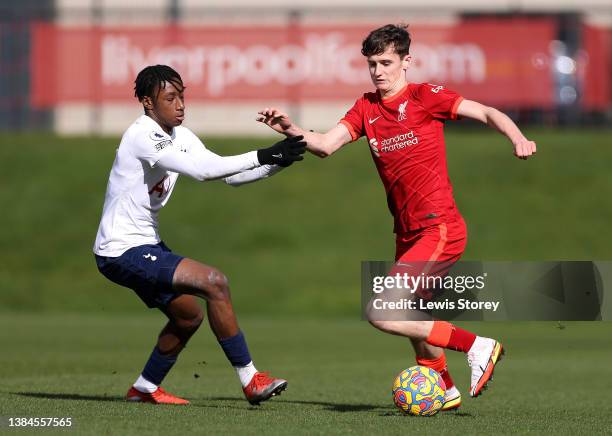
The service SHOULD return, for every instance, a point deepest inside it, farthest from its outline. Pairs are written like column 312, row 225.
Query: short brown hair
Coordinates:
column 390, row 35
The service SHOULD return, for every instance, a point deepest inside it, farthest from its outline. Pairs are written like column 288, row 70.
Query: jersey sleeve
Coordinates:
column 440, row 102
column 196, row 161
column 253, row 175
column 149, row 146
column 353, row 120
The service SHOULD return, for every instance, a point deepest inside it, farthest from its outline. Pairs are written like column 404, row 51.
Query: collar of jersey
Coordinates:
column 394, row 97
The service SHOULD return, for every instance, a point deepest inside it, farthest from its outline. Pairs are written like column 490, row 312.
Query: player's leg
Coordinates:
column 447, row 249
column 482, row 353
column 148, row 271
column 418, row 249
column 195, row 278
column 443, row 244
column 184, row 318
column 446, row 245
column 434, row 357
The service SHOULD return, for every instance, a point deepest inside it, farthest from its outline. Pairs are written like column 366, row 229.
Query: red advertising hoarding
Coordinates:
column 596, row 75
column 499, row 62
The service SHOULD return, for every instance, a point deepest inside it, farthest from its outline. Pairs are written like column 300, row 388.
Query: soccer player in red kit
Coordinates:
column 403, row 123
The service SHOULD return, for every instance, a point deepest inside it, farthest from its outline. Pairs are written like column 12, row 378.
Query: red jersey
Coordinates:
column 405, row 134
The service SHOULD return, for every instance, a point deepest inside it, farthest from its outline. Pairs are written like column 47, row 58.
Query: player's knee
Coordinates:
column 190, row 324
column 196, row 321
column 380, row 325
column 385, row 326
column 372, row 317
column 218, row 288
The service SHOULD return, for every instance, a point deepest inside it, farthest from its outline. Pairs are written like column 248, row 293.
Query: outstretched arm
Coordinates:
column 250, row 176
column 523, row 148
column 319, row 144
column 202, row 164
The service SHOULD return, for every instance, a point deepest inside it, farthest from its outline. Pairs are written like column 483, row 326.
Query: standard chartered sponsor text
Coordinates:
column 398, row 142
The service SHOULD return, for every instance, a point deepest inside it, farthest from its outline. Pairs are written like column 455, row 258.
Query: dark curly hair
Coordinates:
column 155, row 77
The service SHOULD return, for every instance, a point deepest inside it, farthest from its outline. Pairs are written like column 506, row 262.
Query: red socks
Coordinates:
column 438, row 365
column 446, row 335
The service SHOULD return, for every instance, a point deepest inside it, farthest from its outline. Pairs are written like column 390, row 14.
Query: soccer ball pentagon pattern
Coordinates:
column 419, row 390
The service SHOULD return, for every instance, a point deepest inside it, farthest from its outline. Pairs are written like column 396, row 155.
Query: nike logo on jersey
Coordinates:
column 278, row 156
column 373, row 120
column 149, row 256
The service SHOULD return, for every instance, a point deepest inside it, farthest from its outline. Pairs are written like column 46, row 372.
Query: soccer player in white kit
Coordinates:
column 154, row 150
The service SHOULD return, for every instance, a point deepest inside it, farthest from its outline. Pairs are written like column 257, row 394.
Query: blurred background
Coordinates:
column 293, row 245
column 68, row 65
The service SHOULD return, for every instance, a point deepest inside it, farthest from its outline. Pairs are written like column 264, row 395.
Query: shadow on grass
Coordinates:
column 333, row 407
column 383, row 410
column 55, row 396
column 453, row 414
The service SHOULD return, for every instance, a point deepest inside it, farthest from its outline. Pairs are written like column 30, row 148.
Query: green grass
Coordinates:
column 554, row 381
column 294, row 243
column 72, row 342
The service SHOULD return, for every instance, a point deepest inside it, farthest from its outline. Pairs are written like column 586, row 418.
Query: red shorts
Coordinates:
column 440, row 243
column 431, row 251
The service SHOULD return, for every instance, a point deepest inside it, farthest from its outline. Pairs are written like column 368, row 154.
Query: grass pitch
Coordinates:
column 72, row 342
column 553, row 380
column 293, row 243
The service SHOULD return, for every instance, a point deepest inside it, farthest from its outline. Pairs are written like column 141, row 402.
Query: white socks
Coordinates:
column 145, row 386
column 245, row 373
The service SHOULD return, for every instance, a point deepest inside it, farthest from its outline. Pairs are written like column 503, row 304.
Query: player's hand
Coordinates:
column 275, row 119
column 284, row 152
column 524, row 148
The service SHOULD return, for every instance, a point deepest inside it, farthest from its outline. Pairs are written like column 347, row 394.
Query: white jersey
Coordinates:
column 141, row 181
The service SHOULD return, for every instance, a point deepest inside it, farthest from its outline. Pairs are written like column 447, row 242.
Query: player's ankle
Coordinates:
column 144, row 386
column 246, row 373
column 479, row 343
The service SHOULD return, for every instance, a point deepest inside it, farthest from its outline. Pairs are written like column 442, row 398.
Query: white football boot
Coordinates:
column 452, row 399
column 482, row 357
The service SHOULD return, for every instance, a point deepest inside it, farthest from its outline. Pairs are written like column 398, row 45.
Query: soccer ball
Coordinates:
column 419, row 391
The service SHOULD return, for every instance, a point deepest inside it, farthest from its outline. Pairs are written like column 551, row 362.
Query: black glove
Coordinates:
column 283, row 153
